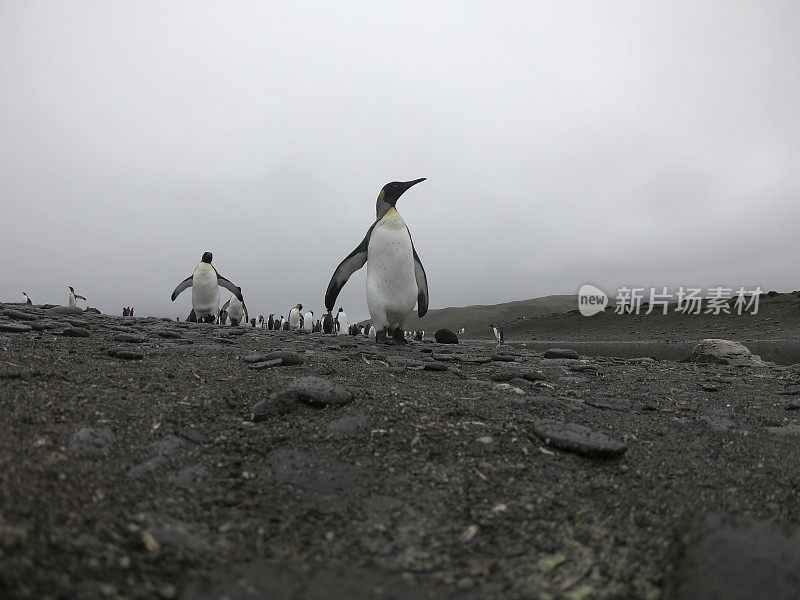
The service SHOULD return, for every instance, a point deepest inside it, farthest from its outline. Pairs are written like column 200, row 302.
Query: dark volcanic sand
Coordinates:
column 125, row 478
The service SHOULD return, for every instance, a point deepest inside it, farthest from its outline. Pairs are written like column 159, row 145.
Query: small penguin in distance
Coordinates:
column 26, row 299
column 73, row 297
column 295, row 317
column 498, row 334
column 205, row 283
column 396, row 279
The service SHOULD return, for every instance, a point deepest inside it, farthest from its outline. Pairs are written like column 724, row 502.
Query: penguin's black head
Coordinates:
column 340, row 309
column 207, row 256
column 71, row 289
column 391, row 192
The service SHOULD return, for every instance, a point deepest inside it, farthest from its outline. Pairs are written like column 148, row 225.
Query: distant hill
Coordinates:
column 477, row 318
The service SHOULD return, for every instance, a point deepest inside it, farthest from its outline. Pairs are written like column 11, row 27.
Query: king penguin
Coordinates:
column 73, row 297
column 395, row 277
column 205, row 282
column 236, row 311
column 26, row 299
column 308, row 320
column 341, row 319
column 498, row 334
column 295, row 316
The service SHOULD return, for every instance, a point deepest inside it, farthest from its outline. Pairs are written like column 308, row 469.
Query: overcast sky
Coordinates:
column 618, row 143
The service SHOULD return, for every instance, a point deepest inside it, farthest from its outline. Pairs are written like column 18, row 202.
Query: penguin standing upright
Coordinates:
column 327, row 323
column 498, row 334
column 395, row 277
column 73, row 297
column 283, row 325
column 341, row 319
column 236, row 311
column 295, row 316
column 25, row 298
column 308, row 320
column 205, row 282
column 271, row 321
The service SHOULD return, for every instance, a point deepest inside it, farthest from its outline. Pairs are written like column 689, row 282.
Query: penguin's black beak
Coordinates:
column 407, row 184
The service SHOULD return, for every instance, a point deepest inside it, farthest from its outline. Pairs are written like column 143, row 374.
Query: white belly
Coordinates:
column 391, row 281
column 235, row 310
column 308, row 321
column 294, row 319
column 72, row 300
column 205, row 291
column 343, row 324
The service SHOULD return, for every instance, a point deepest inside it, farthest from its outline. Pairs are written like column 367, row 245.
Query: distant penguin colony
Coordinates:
column 396, row 279
column 205, row 283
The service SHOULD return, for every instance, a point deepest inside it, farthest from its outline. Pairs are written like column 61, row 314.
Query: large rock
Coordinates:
column 445, row 336
column 735, row 559
column 314, row 391
column 725, row 352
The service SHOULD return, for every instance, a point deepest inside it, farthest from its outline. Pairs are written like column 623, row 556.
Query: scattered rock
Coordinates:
column 91, row 441
column 66, row 310
column 560, row 353
column 609, row 403
column 503, row 357
column 577, row 438
column 126, row 354
column 435, row 366
column 277, row 359
column 315, row 391
column 320, row 475
column 791, row 429
column 195, row 477
column 167, row 333
column 169, row 445
column 19, row 315
column 346, row 425
column 793, row 404
column 76, row 332
column 724, row 352
column 146, row 468
column 131, row 338
column 193, row 435
column 445, row 336
column 15, row 327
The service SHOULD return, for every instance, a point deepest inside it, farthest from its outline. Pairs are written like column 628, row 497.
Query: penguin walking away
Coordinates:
column 308, row 320
column 236, row 311
column 281, row 324
column 205, row 282
column 25, row 298
column 271, row 321
column 286, row 326
column 327, row 323
column 395, row 277
column 295, row 317
column 341, row 320
column 261, row 321
column 223, row 317
column 498, row 334
column 73, row 297
column 372, row 333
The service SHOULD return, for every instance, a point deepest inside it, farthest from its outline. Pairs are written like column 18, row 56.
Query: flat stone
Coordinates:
column 315, row 391
column 15, row 327
column 78, row 323
column 537, row 400
column 503, row 357
column 19, row 315
column 284, row 358
column 169, row 445
column 67, row 310
column 76, row 332
column 126, row 354
column 609, row 403
column 441, row 356
column 91, row 441
column 560, row 353
column 475, row 360
column 785, row 430
column 346, row 425
column 402, row 361
column 717, row 556
column 435, row 366
column 584, row 368
column 166, row 333
column 793, row 404
column 131, row 338
column 577, row 438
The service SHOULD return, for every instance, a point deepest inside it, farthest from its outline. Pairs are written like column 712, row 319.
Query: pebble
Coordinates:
column 15, row 327
column 583, row 368
column 167, row 446
column 166, row 333
column 145, row 468
column 577, row 438
column 486, row 439
column 435, row 366
column 91, row 441
column 67, row 310
column 315, row 391
column 277, row 359
column 475, row 360
column 505, row 387
column 78, row 323
column 503, row 357
column 609, row 403
column 76, row 332
column 131, row 338
column 126, row 354
column 193, row 435
column 442, row 356
column 346, row 425
column 560, row 353
column 785, row 430
column 793, row 404
column 19, row 315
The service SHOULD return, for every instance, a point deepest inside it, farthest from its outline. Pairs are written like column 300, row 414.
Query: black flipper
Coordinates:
column 224, row 306
column 234, row 289
column 81, row 297
column 354, row 261
column 186, row 283
column 422, row 282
